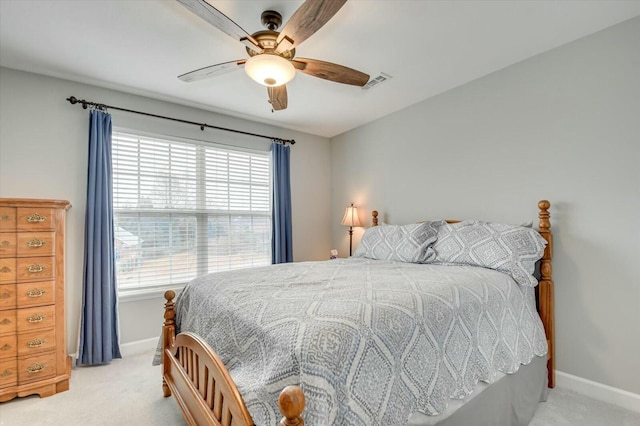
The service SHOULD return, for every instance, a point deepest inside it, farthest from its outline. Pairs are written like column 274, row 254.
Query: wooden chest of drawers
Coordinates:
column 33, row 356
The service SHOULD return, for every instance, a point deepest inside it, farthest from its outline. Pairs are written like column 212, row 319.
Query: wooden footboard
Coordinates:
column 202, row 386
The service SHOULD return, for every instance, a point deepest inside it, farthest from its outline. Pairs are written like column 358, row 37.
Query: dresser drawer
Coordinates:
column 35, row 318
column 35, row 244
column 7, row 271
column 8, row 373
column 8, row 322
column 35, row 219
column 8, row 347
column 8, row 299
column 7, row 219
column 35, row 294
column 37, row 367
column 36, row 341
column 35, row 268
column 8, row 244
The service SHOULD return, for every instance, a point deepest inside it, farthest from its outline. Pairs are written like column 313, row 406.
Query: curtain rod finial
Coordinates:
column 73, row 100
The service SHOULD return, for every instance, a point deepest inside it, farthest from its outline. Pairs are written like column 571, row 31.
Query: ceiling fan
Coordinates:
column 271, row 53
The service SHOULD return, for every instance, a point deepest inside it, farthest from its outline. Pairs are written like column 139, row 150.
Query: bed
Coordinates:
column 356, row 341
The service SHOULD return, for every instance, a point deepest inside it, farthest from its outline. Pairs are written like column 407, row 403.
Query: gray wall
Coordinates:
column 564, row 125
column 43, row 154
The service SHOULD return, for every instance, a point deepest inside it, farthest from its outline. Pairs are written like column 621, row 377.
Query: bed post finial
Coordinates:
column 544, row 215
column 374, row 220
column 169, row 311
column 168, row 333
column 291, row 405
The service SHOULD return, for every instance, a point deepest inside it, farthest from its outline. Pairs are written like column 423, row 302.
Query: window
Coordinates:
column 183, row 209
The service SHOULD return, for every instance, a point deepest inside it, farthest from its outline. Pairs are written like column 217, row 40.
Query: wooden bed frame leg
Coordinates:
column 291, row 404
column 165, row 389
column 168, row 335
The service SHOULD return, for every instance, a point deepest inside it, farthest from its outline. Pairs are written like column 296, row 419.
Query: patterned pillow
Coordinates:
column 403, row 243
column 507, row 248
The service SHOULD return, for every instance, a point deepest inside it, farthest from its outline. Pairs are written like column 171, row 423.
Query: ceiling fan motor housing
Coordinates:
column 267, row 39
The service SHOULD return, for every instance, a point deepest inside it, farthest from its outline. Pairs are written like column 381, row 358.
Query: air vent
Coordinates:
column 376, row 81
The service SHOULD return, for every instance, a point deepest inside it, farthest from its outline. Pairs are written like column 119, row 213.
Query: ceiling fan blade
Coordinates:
column 222, row 22
column 305, row 21
column 212, row 70
column 278, row 97
column 330, row 71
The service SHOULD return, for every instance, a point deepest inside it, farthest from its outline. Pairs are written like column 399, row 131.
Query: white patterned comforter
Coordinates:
column 369, row 341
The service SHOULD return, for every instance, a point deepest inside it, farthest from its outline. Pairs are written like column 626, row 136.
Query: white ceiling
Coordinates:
column 427, row 46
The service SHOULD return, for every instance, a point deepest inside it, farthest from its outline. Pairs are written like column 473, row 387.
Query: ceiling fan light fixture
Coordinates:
column 270, row 70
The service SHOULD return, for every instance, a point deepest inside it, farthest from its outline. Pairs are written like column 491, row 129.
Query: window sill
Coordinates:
column 126, row 296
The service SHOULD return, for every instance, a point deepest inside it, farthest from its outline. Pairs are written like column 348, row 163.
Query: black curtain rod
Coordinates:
column 73, row 100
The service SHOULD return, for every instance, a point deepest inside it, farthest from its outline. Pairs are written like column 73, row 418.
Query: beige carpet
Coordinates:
column 128, row 392
column 125, row 392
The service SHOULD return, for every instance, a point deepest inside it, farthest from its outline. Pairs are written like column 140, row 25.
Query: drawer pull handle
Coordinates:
column 36, row 368
column 36, row 292
column 5, row 322
column 35, row 243
column 5, row 217
column 5, row 269
column 36, row 218
column 5, row 243
column 5, row 373
column 6, row 347
column 36, row 343
column 5, row 295
column 35, row 268
column 36, row 318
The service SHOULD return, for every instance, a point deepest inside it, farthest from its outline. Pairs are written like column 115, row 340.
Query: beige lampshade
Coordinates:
column 351, row 217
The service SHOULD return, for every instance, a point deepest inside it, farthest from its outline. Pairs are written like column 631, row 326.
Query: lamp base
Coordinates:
column 350, row 239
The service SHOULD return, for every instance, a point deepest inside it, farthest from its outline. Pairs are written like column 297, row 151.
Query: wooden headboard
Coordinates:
column 544, row 289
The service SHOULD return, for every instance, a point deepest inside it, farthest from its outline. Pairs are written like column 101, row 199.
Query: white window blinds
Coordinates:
column 185, row 209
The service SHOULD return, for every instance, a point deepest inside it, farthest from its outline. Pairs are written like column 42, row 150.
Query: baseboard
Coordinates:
column 127, row 349
column 595, row 390
column 138, row 347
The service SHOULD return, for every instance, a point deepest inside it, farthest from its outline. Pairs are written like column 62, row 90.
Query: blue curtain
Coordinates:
column 281, row 240
column 99, row 342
